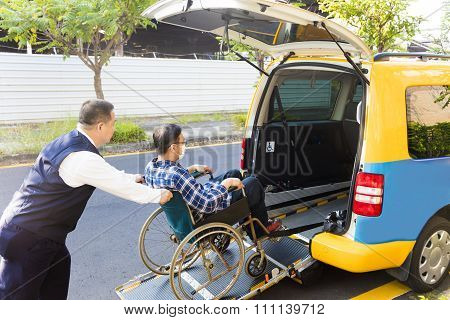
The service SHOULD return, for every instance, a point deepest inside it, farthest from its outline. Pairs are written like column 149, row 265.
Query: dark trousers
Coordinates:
column 255, row 196
column 32, row 267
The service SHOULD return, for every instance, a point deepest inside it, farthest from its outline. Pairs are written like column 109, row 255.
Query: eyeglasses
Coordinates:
column 182, row 142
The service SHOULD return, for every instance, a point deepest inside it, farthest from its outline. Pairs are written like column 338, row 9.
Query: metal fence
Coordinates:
column 45, row 87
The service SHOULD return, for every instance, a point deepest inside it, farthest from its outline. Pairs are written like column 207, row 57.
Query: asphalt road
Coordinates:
column 104, row 245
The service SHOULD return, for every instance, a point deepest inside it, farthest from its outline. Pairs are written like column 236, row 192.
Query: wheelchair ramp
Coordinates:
column 286, row 255
column 314, row 214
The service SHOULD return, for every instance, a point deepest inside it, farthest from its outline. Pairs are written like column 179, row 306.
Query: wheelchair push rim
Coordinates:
column 156, row 230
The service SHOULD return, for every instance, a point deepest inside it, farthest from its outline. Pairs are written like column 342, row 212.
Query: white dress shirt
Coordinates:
column 85, row 167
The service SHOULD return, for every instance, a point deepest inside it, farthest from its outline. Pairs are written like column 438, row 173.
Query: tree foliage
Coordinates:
column 379, row 22
column 442, row 42
column 429, row 141
column 90, row 29
column 297, row 3
column 444, row 97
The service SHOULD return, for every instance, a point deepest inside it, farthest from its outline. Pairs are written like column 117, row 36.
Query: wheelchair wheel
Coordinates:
column 215, row 272
column 255, row 265
column 158, row 243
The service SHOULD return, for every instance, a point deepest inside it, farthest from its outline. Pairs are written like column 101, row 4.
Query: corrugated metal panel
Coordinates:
column 42, row 87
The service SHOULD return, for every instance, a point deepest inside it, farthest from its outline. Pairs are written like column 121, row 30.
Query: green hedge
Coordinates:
column 429, row 141
column 239, row 119
column 127, row 131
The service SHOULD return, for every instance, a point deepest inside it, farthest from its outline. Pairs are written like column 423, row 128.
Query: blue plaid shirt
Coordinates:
column 206, row 198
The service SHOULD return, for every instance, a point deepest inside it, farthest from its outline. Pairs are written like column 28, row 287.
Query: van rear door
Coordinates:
column 273, row 27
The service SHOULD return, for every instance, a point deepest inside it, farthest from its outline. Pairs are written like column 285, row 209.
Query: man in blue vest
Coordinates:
column 34, row 260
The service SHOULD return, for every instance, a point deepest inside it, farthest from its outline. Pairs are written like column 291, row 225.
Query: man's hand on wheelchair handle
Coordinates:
column 166, row 195
column 232, row 183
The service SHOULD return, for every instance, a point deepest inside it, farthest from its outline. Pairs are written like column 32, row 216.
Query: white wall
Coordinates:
column 42, row 87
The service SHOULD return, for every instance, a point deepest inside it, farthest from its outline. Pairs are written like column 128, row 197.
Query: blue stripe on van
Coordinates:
column 414, row 191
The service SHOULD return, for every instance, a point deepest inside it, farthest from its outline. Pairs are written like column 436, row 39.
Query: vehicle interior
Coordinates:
column 307, row 135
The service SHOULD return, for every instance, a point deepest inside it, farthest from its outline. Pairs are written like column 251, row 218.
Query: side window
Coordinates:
column 306, row 99
column 428, row 116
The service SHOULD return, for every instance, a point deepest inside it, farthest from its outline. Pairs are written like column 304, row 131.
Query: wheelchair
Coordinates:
column 175, row 237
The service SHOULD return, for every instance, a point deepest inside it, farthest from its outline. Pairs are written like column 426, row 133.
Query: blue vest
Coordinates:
column 44, row 204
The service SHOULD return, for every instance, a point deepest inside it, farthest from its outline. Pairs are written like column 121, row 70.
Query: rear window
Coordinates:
column 428, row 116
column 276, row 33
column 251, row 24
column 305, row 99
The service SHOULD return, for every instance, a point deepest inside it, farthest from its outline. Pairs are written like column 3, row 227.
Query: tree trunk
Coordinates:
column 380, row 45
column 260, row 59
column 29, row 48
column 98, row 84
column 119, row 49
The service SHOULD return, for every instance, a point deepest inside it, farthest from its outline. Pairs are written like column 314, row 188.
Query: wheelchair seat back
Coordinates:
column 180, row 220
column 178, row 216
column 231, row 215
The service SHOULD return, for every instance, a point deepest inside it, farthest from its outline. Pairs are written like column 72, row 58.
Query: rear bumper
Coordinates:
column 353, row 256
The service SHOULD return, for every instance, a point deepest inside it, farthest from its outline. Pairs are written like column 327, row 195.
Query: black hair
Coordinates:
column 164, row 136
column 94, row 111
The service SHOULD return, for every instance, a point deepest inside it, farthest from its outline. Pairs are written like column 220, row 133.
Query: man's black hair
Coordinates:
column 164, row 136
column 94, row 111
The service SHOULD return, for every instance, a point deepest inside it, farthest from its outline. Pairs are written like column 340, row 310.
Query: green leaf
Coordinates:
column 381, row 23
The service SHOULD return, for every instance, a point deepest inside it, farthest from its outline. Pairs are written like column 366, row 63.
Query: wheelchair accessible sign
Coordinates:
column 270, row 146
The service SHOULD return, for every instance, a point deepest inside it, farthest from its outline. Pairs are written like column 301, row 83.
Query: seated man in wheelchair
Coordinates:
column 165, row 172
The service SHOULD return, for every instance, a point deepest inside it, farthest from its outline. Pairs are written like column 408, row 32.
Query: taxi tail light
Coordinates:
column 368, row 195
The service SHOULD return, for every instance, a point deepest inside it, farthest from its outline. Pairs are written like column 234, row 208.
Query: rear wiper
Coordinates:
column 346, row 55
